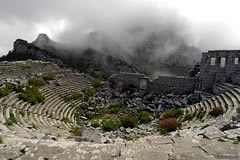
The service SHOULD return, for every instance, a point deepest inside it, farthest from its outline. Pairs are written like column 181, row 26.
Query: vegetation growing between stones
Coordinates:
column 49, row 76
column 216, row 111
column 11, row 120
column 76, row 131
column 4, row 91
column 1, row 140
column 74, row 96
column 144, row 117
column 188, row 117
column 168, row 125
column 110, row 125
column 128, row 121
column 173, row 113
column 96, row 82
column 38, row 82
column 32, row 95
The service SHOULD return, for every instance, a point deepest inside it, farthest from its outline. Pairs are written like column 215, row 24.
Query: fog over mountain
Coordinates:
column 145, row 33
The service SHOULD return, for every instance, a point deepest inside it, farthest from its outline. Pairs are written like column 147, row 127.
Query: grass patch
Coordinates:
column 201, row 114
column 74, row 96
column 95, row 124
column 49, row 76
column 76, row 131
column 1, row 140
column 187, row 117
column 96, row 82
column 11, row 120
column 205, row 126
column 90, row 92
column 236, row 142
column 131, row 138
column 34, row 126
column 21, row 112
column 116, row 105
column 114, row 110
column 173, row 113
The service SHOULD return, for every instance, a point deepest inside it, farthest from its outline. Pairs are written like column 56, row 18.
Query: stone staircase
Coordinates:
column 53, row 116
column 228, row 97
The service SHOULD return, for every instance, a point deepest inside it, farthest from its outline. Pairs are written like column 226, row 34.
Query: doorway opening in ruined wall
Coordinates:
column 223, row 62
column 143, row 84
column 236, row 60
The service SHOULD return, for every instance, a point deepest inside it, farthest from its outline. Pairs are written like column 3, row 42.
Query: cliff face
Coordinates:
column 22, row 50
column 88, row 61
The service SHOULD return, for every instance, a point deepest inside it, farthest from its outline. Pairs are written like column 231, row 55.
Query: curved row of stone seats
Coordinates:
column 228, row 99
column 43, row 122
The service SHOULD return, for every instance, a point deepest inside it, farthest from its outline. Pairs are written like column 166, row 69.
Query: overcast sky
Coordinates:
column 206, row 24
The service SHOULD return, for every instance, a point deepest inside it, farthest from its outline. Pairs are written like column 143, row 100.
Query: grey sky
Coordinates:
column 203, row 24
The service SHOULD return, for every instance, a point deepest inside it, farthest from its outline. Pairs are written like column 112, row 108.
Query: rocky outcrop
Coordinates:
column 22, row 50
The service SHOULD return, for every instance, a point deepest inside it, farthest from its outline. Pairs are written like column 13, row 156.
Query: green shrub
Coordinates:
column 115, row 105
column 4, row 91
column 173, row 113
column 89, row 115
column 1, row 140
column 9, row 86
column 236, row 142
column 9, row 122
column 216, row 111
column 168, row 125
column 34, row 126
column 201, row 114
column 110, row 125
column 95, row 124
column 13, row 118
column 144, row 117
column 76, row 131
column 22, row 113
column 19, row 88
column 207, row 125
column 188, row 117
column 128, row 121
column 75, row 96
column 96, row 82
column 38, row 82
column 48, row 76
column 90, row 92
column 65, row 119
column 114, row 110
column 226, row 106
column 32, row 95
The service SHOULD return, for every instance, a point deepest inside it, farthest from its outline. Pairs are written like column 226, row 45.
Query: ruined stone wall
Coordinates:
column 178, row 85
column 217, row 66
column 163, row 84
column 128, row 79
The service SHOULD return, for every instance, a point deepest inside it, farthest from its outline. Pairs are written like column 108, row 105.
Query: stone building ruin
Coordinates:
column 216, row 66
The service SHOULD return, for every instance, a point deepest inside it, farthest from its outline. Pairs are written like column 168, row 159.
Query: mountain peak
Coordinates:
column 43, row 40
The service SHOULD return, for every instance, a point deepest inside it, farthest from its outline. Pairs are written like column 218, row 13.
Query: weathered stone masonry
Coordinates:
column 163, row 84
column 219, row 66
column 216, row 66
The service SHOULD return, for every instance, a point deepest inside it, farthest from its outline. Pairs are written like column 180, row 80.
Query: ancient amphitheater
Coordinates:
column 42, row 130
